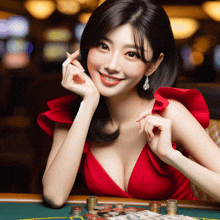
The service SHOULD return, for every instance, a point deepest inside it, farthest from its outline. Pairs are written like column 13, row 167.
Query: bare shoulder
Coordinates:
column 175, row 109
column 183, row 122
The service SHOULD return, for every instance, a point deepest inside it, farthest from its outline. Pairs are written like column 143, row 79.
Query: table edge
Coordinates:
column 76, row 199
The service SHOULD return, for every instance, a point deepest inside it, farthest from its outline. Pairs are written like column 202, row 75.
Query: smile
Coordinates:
column 110, row 81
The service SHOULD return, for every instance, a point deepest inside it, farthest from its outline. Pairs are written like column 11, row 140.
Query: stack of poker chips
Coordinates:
column 172, row 207
column 76, row 211
column 129, row 210
column 103, row 212
column 155, row 206
column 91, row 202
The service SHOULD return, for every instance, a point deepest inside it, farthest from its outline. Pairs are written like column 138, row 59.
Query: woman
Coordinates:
column 125, row 120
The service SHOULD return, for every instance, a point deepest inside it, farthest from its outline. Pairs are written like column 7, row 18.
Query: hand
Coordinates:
column 76, row 80
column 158, row 132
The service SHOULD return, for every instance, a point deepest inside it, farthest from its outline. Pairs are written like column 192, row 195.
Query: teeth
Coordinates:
column 109, row 79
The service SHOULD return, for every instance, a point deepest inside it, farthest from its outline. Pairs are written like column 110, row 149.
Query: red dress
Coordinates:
column 150, row 178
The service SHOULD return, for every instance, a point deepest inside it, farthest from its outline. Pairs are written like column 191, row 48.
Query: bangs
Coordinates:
column 139, row 38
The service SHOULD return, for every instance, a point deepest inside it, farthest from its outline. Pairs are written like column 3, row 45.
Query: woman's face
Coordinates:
column 114, row 65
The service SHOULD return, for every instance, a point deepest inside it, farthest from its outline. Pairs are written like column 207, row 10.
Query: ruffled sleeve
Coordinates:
column 59, row 112
column 192, row 99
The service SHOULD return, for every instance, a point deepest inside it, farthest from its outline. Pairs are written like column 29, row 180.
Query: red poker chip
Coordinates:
column 78, row 207
column 87, row 215
column 130, row 209
column 107, row 206
column 97, row 218
column 105, row 210
column 118, row 209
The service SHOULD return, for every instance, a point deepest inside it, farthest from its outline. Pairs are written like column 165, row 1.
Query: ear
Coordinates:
column 153, row 67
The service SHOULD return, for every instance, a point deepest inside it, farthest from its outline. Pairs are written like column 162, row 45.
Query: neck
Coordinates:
column 125, row 108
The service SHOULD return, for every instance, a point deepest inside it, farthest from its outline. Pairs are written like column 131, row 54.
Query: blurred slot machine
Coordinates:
column 58, row 41
column 15, row 48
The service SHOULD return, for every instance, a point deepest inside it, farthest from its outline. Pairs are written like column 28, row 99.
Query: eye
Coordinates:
column 133, row 54
column 103, row 46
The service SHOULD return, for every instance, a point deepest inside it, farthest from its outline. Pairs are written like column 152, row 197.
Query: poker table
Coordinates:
column 31, row 207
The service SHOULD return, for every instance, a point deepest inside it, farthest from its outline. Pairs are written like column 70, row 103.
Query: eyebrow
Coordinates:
column 125, row 46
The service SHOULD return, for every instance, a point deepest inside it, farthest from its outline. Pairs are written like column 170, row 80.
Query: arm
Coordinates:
column 65, row 156
column 186, row 130
column 177, row 124
column 68, row 143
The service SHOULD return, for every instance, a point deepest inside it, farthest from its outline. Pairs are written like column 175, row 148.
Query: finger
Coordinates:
column 75, row 62
column 149, row 130
column 71, row 57
column 68, row 61
column 143, row 115
column 76, row 74
column 78, row 64
column 142, row 125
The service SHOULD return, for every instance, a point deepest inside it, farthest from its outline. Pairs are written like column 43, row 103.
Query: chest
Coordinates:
column 118, row 158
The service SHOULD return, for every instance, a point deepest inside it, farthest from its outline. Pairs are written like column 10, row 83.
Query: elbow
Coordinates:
column 53, row 199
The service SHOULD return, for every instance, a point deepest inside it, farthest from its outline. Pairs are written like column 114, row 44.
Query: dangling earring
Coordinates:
column 146, row 85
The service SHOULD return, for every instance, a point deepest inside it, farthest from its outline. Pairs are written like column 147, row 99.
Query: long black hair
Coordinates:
column 149, row 20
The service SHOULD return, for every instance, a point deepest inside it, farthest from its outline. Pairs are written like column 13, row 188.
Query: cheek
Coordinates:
column 136, row 70
column 94, row 59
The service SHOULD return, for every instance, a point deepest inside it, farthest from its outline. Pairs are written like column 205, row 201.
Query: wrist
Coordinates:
column 91, row 102
column 173, row 157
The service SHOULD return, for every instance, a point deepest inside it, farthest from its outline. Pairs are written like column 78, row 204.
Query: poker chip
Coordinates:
column 155, row 206
column 113, row 213
column 78, row 207
column 130, row 210
column 140, row 209
column 171, row 207
column 106, row 215
column 107, row 206
column 120, row 210
column 106, row 210
column 97, row 218
column 98, row 207
column 76, row 211
column 93, row 212
column 88, row 215
column 119, row 205
column 91, row 202
column 102, row 213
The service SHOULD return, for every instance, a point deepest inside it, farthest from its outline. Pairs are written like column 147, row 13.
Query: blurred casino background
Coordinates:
column 34, row 36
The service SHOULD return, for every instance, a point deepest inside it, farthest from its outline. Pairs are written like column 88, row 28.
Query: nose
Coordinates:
column 112, row 65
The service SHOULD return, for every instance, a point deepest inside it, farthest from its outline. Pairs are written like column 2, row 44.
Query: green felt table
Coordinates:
column 31, row 207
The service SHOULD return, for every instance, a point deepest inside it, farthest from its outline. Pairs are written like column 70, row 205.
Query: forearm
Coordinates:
column 205, row 179
column 60, row 175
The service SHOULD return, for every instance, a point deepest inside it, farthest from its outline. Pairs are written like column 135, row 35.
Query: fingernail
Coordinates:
column 67, row 54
